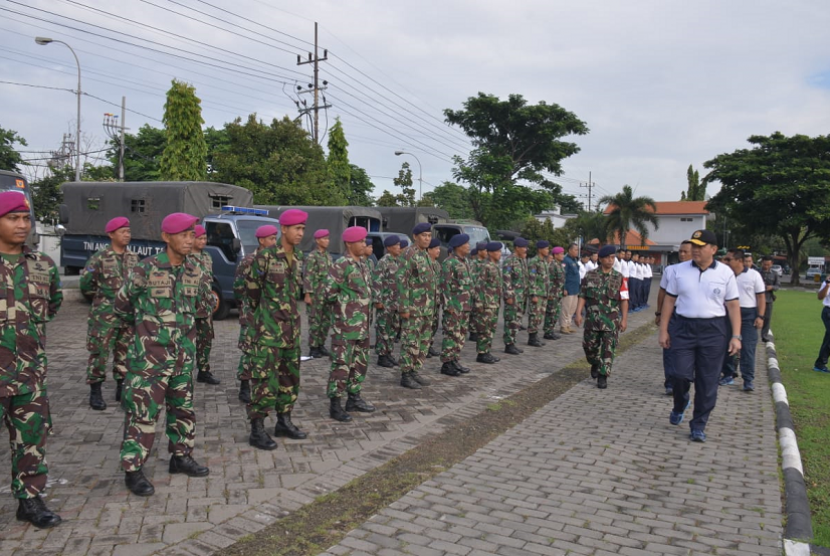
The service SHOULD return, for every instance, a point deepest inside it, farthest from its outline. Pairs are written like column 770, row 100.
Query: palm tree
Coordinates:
column 629, row 212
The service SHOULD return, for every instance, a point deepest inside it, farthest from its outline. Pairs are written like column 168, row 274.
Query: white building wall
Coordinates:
column 675, row 228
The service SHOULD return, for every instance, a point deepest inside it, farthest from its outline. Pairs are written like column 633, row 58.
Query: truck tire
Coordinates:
column 221, row 308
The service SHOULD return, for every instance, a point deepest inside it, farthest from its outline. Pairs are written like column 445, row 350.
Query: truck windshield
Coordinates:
column 477, row 233
column 247, row 232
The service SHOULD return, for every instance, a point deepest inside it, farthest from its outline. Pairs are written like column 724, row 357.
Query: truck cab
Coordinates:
column 445, row 232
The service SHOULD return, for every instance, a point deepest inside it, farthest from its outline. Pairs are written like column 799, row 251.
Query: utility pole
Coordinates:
column 115, row 131
column 315, row 87
column 590, row 186
column 121, row 154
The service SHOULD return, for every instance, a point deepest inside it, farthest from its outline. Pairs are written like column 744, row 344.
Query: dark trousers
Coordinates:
column 698, row 347
column 647, row 294
column 824, row 352
column 750, row 341
column 767, row 319
column 633, row 293
column 668, row 363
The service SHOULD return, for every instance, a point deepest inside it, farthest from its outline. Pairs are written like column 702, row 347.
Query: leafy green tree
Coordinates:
column 780, row 186
column 628, row 211
column 453, row 198
column 514, row 143
column 10, row 159
column 406, row 198
column 216, row 141
column 568, row 204
column 46, row 193
column 185, row 153
column 338, row 160
column 588, row 225
column 696, row 191
column 534, row 230
column 142, row 153
column 360, row 187
column 386, row 199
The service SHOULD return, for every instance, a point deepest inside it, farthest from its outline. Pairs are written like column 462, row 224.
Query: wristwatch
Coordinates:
column 738, row 336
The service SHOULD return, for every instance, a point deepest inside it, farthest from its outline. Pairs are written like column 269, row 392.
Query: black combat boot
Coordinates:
column 207, row 377
column 188, row 466
column 551, row 336
column 512, row 349
column 432, row 352
column 259, row 438
column 533, row 340
column 384, row 361
column 419, row 379
column 356, row 403
column 602, row 381
column 336, row 411
column 485, row 358
column 460, row 368
column 449, row 369
column 96, row 400
column 323, row 351
column 285, row 427
column 119, row 387
column 34, row 511
column 394, row 361
column 473, row 337
column 407, row 381
column 138, row 483
column 245, row 391
column 594, row 371
column 522, row 327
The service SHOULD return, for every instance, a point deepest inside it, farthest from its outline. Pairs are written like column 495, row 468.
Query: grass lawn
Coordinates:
column 798, row 330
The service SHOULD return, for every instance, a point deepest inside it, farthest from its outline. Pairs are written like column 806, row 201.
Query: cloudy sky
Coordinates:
column 660, row 83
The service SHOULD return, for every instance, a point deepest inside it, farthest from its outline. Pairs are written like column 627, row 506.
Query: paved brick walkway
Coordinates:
column 602, row 473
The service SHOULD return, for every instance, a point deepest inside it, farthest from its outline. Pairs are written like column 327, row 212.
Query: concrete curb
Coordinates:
column 799, row 528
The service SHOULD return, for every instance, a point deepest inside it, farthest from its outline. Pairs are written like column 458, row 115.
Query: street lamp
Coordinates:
column 44, row 41
column 420, row 173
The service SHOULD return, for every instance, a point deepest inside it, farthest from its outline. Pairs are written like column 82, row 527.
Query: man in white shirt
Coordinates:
column 583, row 265
column 648, row 275
column 703, row 292
column 593, row 262
column 635, row 281
column 753, row 300
column 684, row 254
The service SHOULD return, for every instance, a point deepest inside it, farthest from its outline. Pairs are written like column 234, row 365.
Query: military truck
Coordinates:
column 226, row 212
column 401, row 220
column 12, row 181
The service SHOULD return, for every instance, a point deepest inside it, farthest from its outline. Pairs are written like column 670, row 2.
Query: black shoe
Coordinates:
column 315, row 353
column 188, row 466
column 394, row 361
column 245, row 391
column 449, row 369
column 432, row 352
column 138, row 483
column 408, row 381
column 533, row 341
column 473, row 337
column 207, row 377
column 336, row 411
column 522, row 327
column 285, row 427
column 602, row 382
column 765, row 339
column 485, row 358
column 460, row 368
column 356, row 403
column 119, row 387
column 594, row 372
column 323, row 351
column 512, row 349
column 96, row 400
column 259, row 438
column 548, row 336
column 419, row 379
column 383, row 361
column 34, row 511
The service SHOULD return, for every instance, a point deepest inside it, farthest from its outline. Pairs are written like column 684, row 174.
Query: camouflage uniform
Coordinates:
column 489, row 290
column 30, row 296
column 439, row 303
column 539, row 286
column 350, row 292
column 245, row 344
column 388, row 322
column 314, row 283
column 475, row 314
column 603, row 294
column 104, row 274
column 416, row 296
column 161, row 302
column 458, row 302
column 557, row 290
column 273, row 287
column 515, row 280
column 204, row 315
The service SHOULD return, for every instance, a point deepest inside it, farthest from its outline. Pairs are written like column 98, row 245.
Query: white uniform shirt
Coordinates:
column 582, row 271
column 702, row 295
column 649, row 271
column 624, row 270
column 826, row 300
column 750, row 283
column 638, row 271
column 617, row 265
column 590, row 265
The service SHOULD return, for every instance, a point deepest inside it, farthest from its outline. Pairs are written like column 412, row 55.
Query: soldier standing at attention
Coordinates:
column 161, row 298
column 273, row 289
column 416, row 304
column 388, row 323
column 539, row 287
column 266, row 237
column 314, row 284
column 104, row 274
column 434, row 251
column 488, row 300
column 350, row 292
column 477, row 257
column 557, row 288
column 604, row 296
column 515, row 281
column 31, row 296
column 369, row 254
column 204, row 320
column 457, row 292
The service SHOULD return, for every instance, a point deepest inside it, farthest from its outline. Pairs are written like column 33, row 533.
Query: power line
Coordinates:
column 38, row 86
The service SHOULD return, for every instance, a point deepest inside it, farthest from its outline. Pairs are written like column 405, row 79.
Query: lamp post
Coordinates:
column 44, row 41
column 420, row 173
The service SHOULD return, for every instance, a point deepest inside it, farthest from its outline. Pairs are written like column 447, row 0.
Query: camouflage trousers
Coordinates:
column 275, row 380
column 536, row 314
column 243, row 371
column 416, row 333
column 436, row 320
column 319, row 321
column 28, row 420
column 512, row 320
column 99, row 342
column 455, row 325
column 387, row 326
column 145, row 392
column 204, row 341
column 476, row 320
column 552, row 315
column 489, row 320
column 600, row 348
column 349, row 361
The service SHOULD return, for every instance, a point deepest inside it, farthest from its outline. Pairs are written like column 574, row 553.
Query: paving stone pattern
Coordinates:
column 601, row 473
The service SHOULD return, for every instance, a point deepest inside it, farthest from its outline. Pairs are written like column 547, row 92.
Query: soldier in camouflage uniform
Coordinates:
column 388, row 322
column 539, row 285
column 160, row 299
column 317, row 268
column 350, row 293
column 101, row 278
column 434, row 251
column 515, row 279
column 457, row 292
column 369, row 254
column 477, row 257
column 557, row 291
column 488, row 292
column 604, row 296
column 416, row 305
column 204, row 316
column 31, row 296
column 266, row 237
column 273, row 288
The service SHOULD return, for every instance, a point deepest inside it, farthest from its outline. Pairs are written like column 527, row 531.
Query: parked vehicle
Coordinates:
column 814, row 274
column 401, row 220
column 778, row 269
